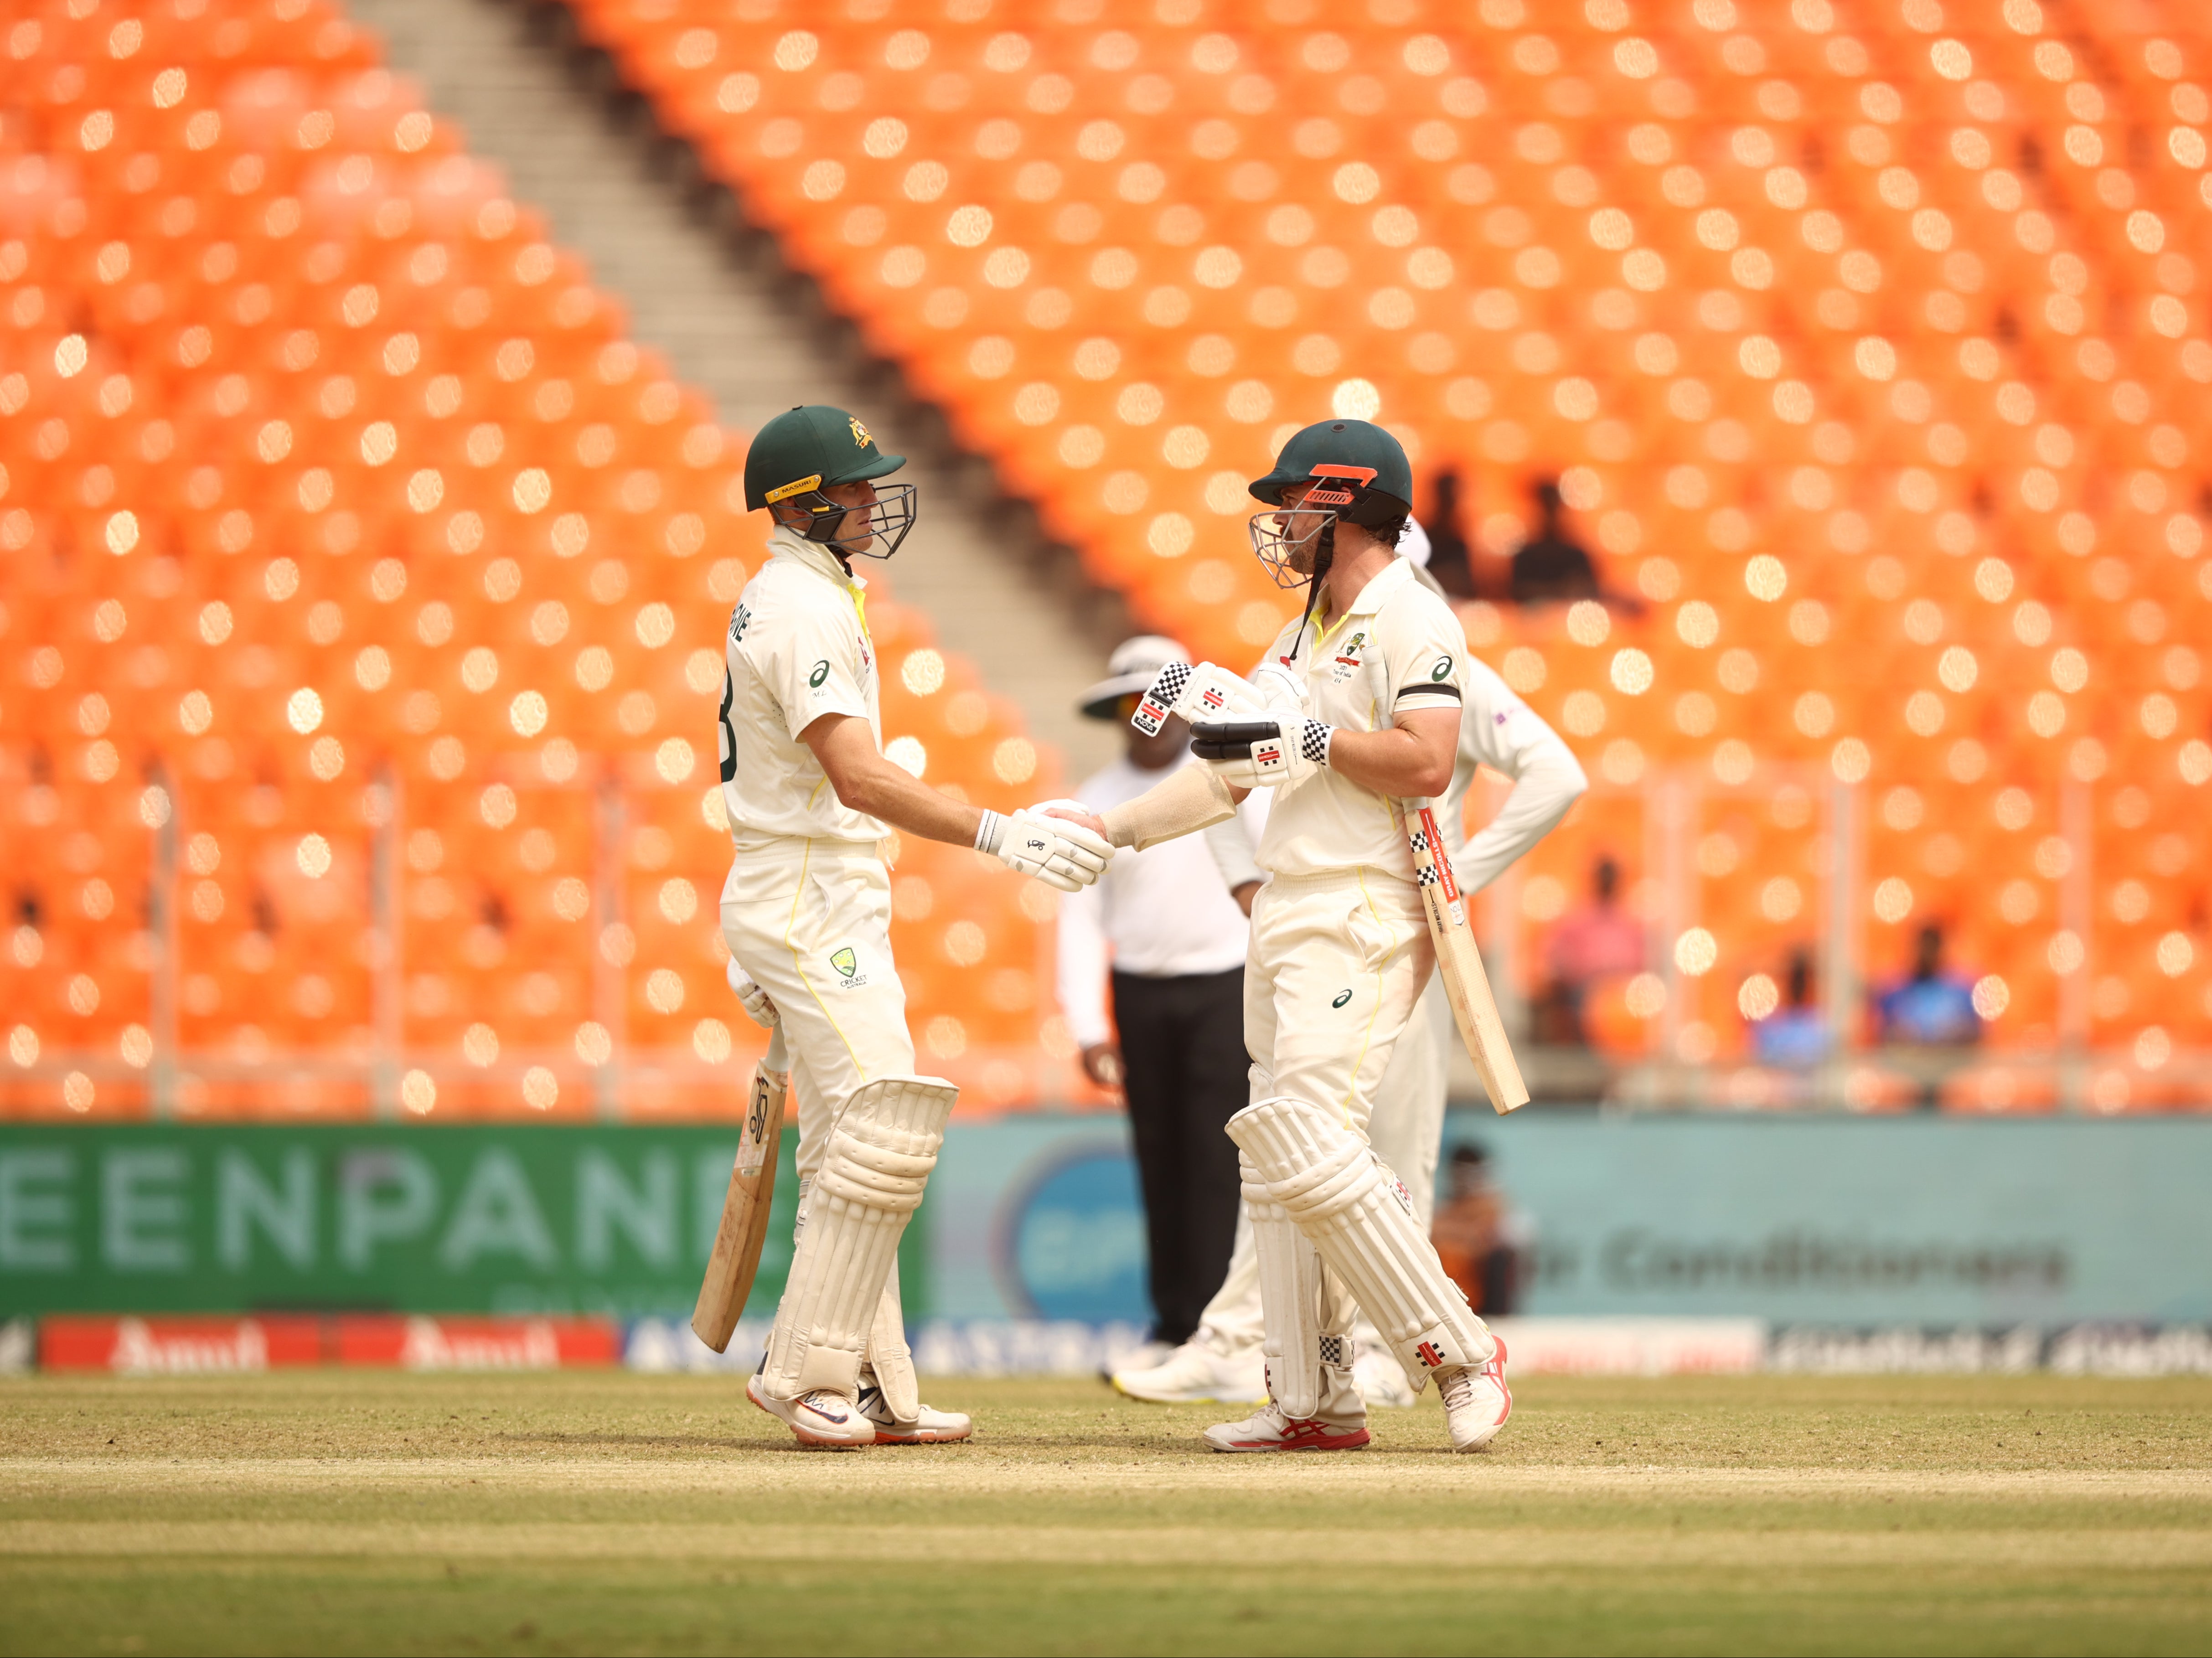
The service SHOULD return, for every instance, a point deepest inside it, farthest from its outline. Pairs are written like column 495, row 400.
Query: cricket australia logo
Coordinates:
column 847, row 968
column 861, row 438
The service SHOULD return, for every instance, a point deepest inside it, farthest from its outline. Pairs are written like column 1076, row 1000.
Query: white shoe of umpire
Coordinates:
column 1476, row 1401
column 1195, row 1373
column 1145, row 1355
column 1381, row 1378
column 822, row 1420
column 930, row 1428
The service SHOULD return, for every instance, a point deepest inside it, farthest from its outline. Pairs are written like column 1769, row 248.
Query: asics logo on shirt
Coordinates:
column 820, row 672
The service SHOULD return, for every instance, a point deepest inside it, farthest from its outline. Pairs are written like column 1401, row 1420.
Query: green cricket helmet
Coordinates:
column 799, row 454
column 1360, row 475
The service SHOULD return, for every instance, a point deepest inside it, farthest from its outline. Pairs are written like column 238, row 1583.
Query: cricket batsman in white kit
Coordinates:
column 1356, row 709
column 1223, row 1360
column 806, row 912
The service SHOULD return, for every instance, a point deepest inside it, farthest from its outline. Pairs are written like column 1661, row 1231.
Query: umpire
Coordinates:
column 1161, row 927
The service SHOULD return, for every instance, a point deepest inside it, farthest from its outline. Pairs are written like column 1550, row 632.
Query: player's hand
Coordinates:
column 1262, row 754
column 1279, row 691
column 1102, row 1063
column 1074, row 812
column 1193, row 692
column 1056, row 851
column 758, row 1008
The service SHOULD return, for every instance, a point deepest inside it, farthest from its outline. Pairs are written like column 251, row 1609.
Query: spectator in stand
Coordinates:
column 1473, row 1236
column 1164, row 933
column 1795, row 1036
column 1930, row 1007
column 1448, row 559
column 1551, row 567
column 1600, row 941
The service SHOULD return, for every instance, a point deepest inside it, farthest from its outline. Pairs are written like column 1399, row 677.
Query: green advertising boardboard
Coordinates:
column 155, row 1218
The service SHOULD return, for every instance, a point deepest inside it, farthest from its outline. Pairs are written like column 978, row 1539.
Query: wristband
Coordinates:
column 990, row 832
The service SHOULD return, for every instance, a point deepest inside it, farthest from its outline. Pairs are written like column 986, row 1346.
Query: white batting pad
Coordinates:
column 889, row 1356
column 871, row 1180
column 1289, row 1298
column 1359, row 1218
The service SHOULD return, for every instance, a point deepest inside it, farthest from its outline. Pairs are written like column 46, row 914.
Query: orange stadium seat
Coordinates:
column 363, row 600
column 1887, row 309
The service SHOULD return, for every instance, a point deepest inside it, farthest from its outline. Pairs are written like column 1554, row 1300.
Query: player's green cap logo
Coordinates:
column 844, row 960
column 1342, row 999
column 820, row 672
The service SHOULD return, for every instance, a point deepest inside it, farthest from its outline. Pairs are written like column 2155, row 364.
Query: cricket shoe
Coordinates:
column 1476, row 1401
column 822, row 1420
column 1380, row 1379
column 1270, row 1430
column 930, row 1428
column 1145, row 1355
column 1194, row 1373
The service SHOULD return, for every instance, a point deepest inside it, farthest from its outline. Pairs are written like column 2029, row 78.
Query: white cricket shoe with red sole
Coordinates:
column 1269, row 1429
column 1476, row 1401
column 1194, row 1373
column 930, row 1428
column 823, row 1421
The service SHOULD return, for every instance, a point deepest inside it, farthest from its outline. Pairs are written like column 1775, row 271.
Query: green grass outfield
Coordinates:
column 351, row 1512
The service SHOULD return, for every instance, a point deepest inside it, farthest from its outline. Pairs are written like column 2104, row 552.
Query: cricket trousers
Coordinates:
column 1182, row 1051
column 810, row 923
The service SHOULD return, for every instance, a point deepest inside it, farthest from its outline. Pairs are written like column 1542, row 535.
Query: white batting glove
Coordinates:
column 761, row 1011
column 1052, row 850
column 1193, row 692
column 1262, row 754
column 1279, row 691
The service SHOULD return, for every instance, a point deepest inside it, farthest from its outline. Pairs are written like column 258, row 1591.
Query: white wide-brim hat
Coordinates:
column 1130, row 671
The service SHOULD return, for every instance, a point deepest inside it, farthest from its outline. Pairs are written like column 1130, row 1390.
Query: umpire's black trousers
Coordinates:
column 1185, row 1074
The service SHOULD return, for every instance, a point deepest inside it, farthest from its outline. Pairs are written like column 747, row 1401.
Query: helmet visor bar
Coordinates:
column 872, row 531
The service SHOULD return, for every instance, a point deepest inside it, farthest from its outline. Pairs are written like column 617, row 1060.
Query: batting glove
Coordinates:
column 1262, row 754
column 1051, row 849
column 761, row 1011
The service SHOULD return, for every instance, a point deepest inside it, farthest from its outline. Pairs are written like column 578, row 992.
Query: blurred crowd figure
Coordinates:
column 1478, row 1236
column 1930, row 1006
column 1794, row 1036
column 1551, row 566
column 1599, row 941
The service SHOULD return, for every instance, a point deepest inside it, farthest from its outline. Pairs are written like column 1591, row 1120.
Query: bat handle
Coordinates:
column 778, row 1057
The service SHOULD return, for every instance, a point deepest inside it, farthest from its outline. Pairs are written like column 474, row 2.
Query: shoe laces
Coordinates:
column 1455, row 1386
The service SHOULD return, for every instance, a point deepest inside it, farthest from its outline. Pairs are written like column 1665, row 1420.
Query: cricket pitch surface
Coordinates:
column 606, row 1512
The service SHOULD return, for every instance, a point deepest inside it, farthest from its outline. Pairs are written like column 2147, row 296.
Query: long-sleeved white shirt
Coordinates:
column 1499, row 731
column 1163, row 912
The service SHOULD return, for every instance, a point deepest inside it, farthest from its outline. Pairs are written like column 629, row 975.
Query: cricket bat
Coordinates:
column 737, row 1240
column 1474, row 1010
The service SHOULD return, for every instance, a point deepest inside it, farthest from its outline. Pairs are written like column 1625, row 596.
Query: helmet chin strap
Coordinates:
column 1324, row 556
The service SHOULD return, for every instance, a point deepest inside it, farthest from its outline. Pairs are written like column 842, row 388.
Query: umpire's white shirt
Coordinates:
column 1160, row 914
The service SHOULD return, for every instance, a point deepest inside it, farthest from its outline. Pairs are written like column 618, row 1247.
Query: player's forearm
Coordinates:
column 1400, row 763
column 1551, row 781
column 874, row 785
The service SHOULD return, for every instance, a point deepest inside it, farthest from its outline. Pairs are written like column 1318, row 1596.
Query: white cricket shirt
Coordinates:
column 797, row 648
column 1501, row 732
column 1396, row 649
